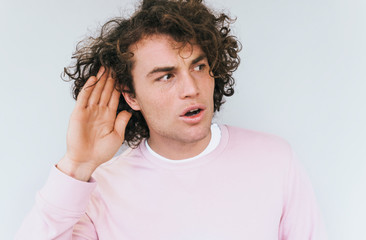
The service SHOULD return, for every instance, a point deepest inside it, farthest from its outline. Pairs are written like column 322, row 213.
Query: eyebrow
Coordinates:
column 171, row 68
column 199, row 58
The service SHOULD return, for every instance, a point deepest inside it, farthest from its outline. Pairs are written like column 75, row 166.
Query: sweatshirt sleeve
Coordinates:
column 301, row 219
column 59, row 211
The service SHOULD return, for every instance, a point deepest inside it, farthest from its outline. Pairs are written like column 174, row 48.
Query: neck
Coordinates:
column 177, row 150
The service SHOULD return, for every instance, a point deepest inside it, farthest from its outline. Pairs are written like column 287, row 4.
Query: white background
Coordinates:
column 302, row 77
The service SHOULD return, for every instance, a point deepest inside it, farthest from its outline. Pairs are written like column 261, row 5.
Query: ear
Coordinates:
column 131, row 101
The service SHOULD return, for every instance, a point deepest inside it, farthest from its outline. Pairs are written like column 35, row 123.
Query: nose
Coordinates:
column 188, row 86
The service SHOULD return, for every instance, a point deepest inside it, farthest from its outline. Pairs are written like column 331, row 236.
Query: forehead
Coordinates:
column 162, row 50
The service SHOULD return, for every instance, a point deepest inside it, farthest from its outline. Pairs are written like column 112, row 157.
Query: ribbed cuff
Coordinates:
column 65, row 192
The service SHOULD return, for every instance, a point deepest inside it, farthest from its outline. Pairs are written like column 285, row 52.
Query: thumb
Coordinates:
column 121, row 123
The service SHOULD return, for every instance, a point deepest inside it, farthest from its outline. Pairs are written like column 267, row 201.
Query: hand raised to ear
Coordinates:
column 95, row 133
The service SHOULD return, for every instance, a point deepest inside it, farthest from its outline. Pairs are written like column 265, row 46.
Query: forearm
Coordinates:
column 60, row 205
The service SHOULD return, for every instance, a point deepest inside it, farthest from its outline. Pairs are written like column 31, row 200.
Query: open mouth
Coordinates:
column 192, row 112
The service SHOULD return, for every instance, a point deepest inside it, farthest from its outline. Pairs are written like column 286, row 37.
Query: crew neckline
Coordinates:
column 214, row 142
column 187, row 163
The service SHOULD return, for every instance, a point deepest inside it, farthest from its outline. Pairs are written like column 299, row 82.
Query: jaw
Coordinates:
column 187, row 142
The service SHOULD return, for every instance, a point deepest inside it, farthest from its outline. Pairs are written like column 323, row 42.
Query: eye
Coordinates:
column 199, row 67
column 166, row 77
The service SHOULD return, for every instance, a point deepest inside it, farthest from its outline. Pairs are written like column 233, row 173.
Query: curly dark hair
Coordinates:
column 183, row 20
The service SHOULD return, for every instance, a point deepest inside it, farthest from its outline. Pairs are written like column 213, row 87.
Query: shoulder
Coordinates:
column 241, row 136
column 257, row 145
column 121, row 162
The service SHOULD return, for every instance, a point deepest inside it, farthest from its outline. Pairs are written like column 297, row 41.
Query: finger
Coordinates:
column 121, row 123
column 113, row 102
column 107, row 91
column 84, row 94
column 97, row 91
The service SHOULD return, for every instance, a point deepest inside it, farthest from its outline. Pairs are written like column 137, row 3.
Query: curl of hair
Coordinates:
column 183, row 20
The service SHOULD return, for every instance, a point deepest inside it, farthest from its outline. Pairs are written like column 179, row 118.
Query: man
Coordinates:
column 165, row 71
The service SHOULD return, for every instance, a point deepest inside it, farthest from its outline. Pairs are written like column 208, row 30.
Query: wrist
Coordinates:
column 79, row 171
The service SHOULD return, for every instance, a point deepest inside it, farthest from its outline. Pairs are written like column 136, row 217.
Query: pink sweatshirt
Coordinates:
column 248, row 187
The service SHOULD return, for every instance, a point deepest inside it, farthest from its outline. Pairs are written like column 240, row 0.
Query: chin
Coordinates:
column 197, row 133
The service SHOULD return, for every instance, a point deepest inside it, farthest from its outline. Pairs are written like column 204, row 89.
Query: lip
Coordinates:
column 193, row 119
column 192, row 107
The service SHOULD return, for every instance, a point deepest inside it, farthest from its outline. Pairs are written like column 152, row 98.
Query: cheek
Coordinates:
column 211, row 86
column 152, row 105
